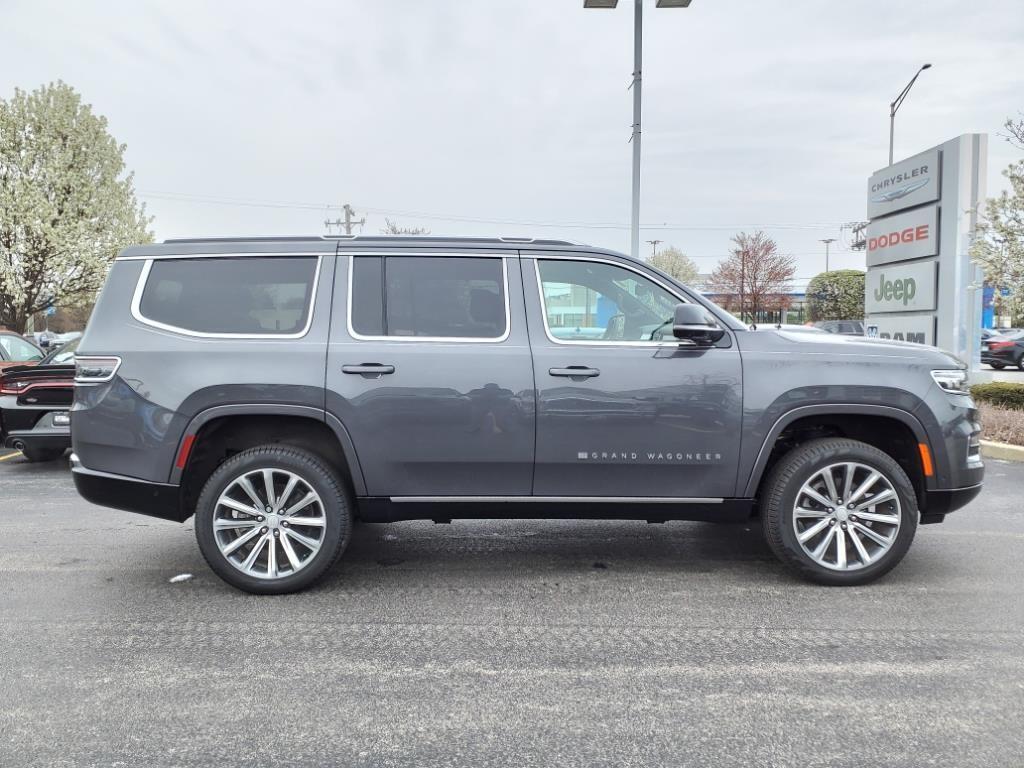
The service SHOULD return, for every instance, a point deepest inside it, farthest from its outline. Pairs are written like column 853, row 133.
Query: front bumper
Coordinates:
column 128, row 493
column 939, row 503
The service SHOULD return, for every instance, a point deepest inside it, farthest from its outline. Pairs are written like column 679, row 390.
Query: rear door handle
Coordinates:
column 369, row 370
column 575, row 372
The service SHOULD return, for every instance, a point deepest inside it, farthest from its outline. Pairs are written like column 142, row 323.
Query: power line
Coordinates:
column 244, row 202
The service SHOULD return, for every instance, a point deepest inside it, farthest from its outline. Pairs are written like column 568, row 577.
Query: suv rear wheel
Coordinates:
column 839, row 511
column 273, row 519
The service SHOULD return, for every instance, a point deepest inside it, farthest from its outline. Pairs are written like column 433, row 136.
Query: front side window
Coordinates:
column 247, row 296
column 424, row 296
column 594, row 301
column 19, row 350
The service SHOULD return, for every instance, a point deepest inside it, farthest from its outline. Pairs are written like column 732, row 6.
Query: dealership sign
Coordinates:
column 920, row 284
column 911, row 235
column 901, row 288
column 919, row 329
column 904, row 185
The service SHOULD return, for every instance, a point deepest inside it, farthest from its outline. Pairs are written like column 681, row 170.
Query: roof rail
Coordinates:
column 374, row 238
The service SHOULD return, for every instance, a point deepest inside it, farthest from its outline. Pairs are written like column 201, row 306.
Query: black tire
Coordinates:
column 40, row 455
column 998, row 366
column 1020, row 363
column 337, row 508
column 797, row 467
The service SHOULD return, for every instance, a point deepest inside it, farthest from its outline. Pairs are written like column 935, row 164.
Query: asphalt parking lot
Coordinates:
column 492, row 643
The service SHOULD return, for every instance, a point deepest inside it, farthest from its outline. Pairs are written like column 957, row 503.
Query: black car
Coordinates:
column 34, row 403
column 1002, row 349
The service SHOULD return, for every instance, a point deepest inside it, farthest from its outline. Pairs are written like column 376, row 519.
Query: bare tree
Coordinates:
column 754, row 277
column 392, row 228
column 1015, row 131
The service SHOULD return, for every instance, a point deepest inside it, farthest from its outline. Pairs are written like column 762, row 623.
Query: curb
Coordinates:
column 1004, row 451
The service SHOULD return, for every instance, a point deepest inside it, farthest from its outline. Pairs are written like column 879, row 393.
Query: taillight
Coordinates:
column 95, row 370
column 1000, row 344
column 12, row 387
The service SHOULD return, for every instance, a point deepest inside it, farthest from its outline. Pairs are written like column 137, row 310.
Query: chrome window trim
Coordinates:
column 140, row 288
column 673, row 344
column 450, row 254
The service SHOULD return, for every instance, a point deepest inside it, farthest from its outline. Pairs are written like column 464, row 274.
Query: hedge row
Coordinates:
column 1003, row 393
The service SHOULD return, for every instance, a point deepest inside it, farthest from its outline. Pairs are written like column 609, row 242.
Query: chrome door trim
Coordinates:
column 556, row 499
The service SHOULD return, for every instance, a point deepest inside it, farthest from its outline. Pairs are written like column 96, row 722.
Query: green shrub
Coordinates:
column 1005, row 394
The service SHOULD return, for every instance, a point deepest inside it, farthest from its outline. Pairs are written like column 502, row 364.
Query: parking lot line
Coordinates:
column 10, row 456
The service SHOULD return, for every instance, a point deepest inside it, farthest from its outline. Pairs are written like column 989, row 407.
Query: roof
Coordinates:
column 330, row 244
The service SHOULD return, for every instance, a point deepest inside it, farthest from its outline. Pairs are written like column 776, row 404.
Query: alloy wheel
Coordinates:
column 269, row 523
column 847, row 516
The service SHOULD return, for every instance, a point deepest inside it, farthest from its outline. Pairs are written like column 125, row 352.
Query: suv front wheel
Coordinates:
column 273, row 519
column 839, row 511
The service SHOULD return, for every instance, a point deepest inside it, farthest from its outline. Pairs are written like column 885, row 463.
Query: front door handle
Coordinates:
column 575, row 372
column 369, row 370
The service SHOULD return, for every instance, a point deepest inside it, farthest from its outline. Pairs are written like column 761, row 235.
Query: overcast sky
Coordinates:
column 512, row 116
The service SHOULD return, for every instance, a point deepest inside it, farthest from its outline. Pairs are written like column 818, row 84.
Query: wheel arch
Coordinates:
column 221, row 429
column 841, row 414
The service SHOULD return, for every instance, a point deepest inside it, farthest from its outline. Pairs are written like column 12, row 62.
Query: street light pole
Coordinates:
column 897, row 102
column 827, row 241
column 638, row 57
column 638, row 62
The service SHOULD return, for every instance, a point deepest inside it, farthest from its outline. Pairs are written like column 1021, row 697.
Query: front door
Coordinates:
column 623, row 409
column 429, row 370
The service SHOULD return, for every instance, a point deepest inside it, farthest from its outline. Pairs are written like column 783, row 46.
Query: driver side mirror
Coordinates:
column 691, row 323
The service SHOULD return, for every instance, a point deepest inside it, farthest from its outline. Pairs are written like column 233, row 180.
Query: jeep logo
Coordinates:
column 896, row 290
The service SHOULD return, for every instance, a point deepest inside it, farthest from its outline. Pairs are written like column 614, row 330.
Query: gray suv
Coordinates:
column 283, row 389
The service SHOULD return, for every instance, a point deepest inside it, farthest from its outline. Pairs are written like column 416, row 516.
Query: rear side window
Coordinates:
column 249, row 296
column 18, row 350
column 435, row 297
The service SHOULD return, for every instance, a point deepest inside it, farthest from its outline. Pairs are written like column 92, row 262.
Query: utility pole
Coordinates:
column 654, row 246
column 348, row 222
column 827, row 241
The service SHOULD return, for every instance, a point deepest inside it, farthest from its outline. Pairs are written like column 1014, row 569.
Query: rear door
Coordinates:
column 429, row 370
column 622, row 414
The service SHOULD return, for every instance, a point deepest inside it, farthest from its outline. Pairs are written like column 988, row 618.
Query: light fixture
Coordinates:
column 600, row 3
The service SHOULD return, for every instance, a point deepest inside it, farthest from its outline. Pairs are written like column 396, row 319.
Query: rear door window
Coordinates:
column 250, row 296
column 453, row 297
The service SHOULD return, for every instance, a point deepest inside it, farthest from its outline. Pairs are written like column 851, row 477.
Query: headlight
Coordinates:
column 954, row 382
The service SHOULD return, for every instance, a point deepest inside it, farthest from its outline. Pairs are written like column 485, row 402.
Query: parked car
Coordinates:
column 34, row 403
column 281, row 389
column 15, row 350
column 842, row 327
column 1002, row 349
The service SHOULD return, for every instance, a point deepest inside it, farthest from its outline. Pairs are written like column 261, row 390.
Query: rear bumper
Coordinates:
column 41, row 438
column 128, row 493
column 940, row 503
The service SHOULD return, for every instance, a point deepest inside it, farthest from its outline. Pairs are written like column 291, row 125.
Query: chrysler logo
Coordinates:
column 896, row 194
